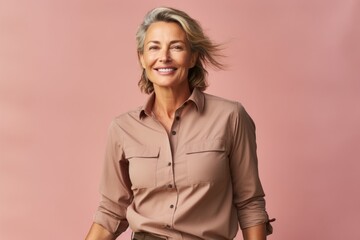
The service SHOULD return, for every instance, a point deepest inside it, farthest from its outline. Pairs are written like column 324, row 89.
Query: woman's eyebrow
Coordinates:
column 171, row 42
column 156, row 42
column 177, row 41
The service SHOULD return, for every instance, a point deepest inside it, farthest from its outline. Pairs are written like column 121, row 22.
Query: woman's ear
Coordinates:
column 141, row 59
column 193, row 60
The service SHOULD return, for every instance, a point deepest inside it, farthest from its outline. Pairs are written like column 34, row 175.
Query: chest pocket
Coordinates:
column 142, row 165
column 207, row 161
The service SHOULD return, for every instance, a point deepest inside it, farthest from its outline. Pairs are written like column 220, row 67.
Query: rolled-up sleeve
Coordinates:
column 248, row 192
column 115, row 185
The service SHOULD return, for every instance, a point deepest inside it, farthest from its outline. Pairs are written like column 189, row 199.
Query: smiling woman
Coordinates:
column 184, row 165
column 206, row 51
column 167, row 57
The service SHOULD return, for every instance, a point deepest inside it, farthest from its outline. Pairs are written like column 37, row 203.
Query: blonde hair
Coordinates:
column 208, row 52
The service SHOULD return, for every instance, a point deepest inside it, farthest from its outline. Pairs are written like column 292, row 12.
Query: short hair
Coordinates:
column 208, row 52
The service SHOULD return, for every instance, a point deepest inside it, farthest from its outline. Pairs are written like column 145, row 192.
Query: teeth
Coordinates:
column 165, row 69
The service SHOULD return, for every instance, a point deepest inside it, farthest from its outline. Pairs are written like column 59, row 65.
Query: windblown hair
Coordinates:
column 208, row 52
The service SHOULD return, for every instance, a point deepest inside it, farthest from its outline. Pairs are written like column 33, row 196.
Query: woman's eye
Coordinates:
column 177, row 47
column 153, row 47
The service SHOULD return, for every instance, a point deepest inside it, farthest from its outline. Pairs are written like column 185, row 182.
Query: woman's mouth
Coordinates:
column 166, row 70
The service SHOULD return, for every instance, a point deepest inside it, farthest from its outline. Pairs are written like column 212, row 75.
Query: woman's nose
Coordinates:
column 164, row 56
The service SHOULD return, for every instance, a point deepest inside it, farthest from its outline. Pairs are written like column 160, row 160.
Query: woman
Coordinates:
column 184, row 165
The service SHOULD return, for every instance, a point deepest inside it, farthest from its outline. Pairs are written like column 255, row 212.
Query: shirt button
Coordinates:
column 167, row 226
column 173, row 132
column 171, row 206
column 169, row 186
column 169, row 163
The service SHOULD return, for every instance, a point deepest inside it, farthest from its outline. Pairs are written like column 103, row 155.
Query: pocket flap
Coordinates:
column 142, row 152
column 206, row 146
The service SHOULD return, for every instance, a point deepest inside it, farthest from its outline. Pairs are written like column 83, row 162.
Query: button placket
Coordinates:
column 171, row 186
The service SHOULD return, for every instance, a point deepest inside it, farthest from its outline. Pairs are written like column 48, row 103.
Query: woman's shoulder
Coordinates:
column 217, row 101
column 129, row 115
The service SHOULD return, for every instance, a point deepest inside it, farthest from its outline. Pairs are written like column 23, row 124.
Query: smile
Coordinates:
column 165, row 70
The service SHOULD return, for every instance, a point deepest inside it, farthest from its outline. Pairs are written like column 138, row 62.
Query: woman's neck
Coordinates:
column 168, row 100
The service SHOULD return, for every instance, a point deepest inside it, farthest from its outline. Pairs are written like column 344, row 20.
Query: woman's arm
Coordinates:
column 98, row 232
column 257, row 232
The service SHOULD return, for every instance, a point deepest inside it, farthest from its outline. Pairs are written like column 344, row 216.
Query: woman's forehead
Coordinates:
column 165, row 31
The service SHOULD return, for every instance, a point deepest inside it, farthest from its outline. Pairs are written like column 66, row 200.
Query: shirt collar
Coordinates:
column 197, row 97
column 147, row 107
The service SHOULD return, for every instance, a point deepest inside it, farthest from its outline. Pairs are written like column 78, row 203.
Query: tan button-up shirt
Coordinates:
column 198, row 182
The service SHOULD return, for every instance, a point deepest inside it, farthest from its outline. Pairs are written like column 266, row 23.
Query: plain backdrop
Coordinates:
column 68, row 67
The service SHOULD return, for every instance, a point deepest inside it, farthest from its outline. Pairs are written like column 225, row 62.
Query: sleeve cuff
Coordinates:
column 111, row 224
column 269, row 228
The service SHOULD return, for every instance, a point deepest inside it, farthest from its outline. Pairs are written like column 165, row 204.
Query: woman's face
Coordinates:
column 167, row 57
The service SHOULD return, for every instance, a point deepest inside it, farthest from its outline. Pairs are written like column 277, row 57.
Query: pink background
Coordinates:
column 67, row 67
